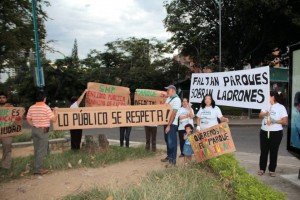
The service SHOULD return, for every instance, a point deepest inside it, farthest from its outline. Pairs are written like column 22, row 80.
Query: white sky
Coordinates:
column 96, row 22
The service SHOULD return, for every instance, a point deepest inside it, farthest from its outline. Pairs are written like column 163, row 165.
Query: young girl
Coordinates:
column 187, row 148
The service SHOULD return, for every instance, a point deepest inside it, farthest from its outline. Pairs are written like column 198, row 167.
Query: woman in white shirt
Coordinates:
column 271, row 134
column 185, row 116
column 209, row 114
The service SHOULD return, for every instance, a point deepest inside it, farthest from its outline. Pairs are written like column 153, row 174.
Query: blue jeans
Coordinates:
column 166, row 140
column 172, row 144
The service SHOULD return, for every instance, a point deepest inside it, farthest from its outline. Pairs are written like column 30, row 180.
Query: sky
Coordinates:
column 96, row 22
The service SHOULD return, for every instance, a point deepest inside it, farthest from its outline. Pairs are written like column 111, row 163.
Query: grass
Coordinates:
column 61, row 161
column 218, row 178
column 190, row 182
column 26, row 136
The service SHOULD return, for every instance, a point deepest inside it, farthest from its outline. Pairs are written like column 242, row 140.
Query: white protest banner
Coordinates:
column 110, row 117
column 243, row 88
column 11, row 121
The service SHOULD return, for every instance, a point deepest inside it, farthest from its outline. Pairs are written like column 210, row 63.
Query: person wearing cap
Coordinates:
column 172, row 126
column 38, row 117
column 295, row 125
column 6, row 141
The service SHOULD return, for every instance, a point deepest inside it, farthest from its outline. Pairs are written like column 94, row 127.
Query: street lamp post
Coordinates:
column 39, row 75
column 219, row 3
column 220, row 34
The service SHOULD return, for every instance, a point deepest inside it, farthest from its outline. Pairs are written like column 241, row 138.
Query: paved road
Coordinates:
column 246, row 138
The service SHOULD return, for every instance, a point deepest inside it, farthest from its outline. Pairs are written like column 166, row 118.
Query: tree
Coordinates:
column 134, row 63
column 250, row 29
column 74, row 55
column 16, row 30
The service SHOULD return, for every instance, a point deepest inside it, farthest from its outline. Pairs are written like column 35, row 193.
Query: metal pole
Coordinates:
column 220, row 35
column 39, row 73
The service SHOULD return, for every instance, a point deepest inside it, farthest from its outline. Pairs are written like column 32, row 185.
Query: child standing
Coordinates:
column 187, row 148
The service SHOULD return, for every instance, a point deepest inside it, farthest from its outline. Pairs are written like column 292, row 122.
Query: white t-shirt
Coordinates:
column 185, row 121
column 175, row 102
column 277, row 112
column 209, row 116
column 74, row 105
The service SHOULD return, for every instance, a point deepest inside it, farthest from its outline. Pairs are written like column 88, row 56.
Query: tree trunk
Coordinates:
column 95, row 143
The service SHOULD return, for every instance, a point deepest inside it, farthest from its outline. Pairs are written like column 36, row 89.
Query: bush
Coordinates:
column 57, row 134
column 237, row 179
column 233, row 111
column 25, row 137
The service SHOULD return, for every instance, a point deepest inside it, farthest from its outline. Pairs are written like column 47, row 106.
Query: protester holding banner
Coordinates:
column 6, row 141
column 151, row 132
column 76, row 134
column 125, row 131
column 39, row 116
column 271, row 133
column 209, row 114
column 186, row 116
column 171, row 128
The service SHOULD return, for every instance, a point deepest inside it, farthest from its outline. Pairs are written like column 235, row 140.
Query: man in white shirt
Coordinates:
column 171, row 128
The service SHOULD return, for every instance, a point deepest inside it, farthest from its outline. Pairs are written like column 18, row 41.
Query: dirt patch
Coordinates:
column 59, row 184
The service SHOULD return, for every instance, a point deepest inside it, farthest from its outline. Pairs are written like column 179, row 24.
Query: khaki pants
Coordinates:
column 40, row 144
column 6, row 156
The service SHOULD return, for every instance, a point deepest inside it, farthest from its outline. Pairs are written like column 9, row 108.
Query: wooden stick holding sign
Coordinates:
column 212, row 142
column 109, row 117
column 11, row 120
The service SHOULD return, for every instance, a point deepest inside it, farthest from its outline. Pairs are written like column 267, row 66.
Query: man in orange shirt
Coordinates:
column 39, row 116
column 6, row 141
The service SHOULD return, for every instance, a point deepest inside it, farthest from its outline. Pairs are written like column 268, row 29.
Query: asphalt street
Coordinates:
column 246, row 138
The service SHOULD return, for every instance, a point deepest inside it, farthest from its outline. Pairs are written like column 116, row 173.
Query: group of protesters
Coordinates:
column 181, row 125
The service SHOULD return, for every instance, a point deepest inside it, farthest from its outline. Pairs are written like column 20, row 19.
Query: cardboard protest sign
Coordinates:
column 109, row 117
column 11, row 120
column 149, row 97
column 243, row 88
column 212, row 142
column 99, row 94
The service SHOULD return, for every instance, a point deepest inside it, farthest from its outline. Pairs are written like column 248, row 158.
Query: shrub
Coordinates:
column 237, row 179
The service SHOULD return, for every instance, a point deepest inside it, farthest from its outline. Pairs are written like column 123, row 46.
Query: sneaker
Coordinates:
column 41, row 172
column 165, row 159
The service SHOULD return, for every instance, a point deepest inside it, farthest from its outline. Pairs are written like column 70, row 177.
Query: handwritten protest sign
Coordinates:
column 109, row 117
column 243, row 88
column 149, row 97
column 99, row 94
column 11, row 121
column 212, row 142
